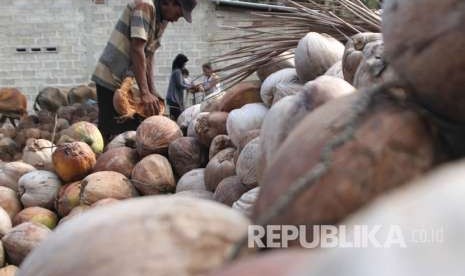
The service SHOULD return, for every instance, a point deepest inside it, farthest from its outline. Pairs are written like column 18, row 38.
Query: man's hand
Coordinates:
column 150, row 102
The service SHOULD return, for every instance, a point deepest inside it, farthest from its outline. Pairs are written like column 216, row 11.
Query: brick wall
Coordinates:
column 79, row 30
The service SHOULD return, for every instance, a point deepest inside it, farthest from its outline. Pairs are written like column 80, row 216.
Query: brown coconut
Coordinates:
column 13, row 102
column 153, row 175
column 240, row 121
column 391, row 145
column 353, row 53
column 23, row 239
column 426, row 53
column 246, row 166
column 269, row 88
column 11, row 172
column 243, row 93
column 177, row 225
column 106, row 184
column 155, row 134
column 38, row 153
column 8, row 131
column 66, row 112
column 315, row 54
column 122, row 160
column 9, row 270
column 246, row 202
column 212, row 102
column 229, row 190
column 5, row 222
column 125, row 139
column 186, row 154
column 30, row 121
column 219, row 143
column 73, row 161
column 38, row 215
column 81, row 94
column 39, row 188
column 9, row 201
column 219, row 167
column 192, row 180
column 209, row 125
column 50, row 99
column 68, row 197
column 8, row 149
column 83, row 132
column 284, row 60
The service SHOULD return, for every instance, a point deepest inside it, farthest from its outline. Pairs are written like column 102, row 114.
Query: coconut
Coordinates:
column 391, row 145
column 38, row 153
column 125, row 139
column 105, row 201
column 22, row 239
column 30, row 121
column 212, row 102
column 219, row 143
column 353, row 53
column 39, row 188
column 230, row 190
column 155, row 134
column 83, row 132
column 68, row 197
column 248, row 136
column 81, row 94
column 286, row 77
column 5, row 222
column 75, row 212
column 201, row 194
column 241, row 120
column 284, row 60
column 426, row 53
column 209, row 125
column 73, row 161
column 38, row 215
column 8, row 149
column 246, row 202
column 283, row 90
column 122, row 160
column 315, row 54
column 66, row 112
column 186, row 154
column 219, row 167
column 32, row 133
column 243, row 93
column 187, row 116
column 106, row 184
column 191, row 128
column 9, row 201
column 11, row 172
column 192, row 180
column 246, row 166
column 8, row 131
column 177, row 225
column 154, row 175
column 9, row 270
column 335, row 70
column 50, row 99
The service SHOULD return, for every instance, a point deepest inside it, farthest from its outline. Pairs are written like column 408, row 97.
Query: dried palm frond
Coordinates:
column 272, row 34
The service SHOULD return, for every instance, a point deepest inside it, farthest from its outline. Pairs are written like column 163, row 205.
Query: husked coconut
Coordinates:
column 5, row 222
column 186, row 154
column 315, row 54
column 353, row 53
column 246, row 202
column 391, row 145
column 243, row 93
column 122, row 160
column 249, row 136
column 192, row 180
column 9, row 201
column 83, row 132
column 187, row 116
column 335, row 70
column 286, row 77
column 155, row 134
column 283, row 90
column 50, row 99
column 230, row 190
column 100, row 185
column 209, row 125
column 176, row 225
column 201, row 194
column 284, row 60
column 247, row 118
column 153, row 175
column 39, row 188
column 219, row 167
column 8, row 148
column 125, row 139
column 38, row 215
column 11, row 172
column 191, row 128
column 73, row 161
column 246, row 166
column 219, row 143
column 38, row 153
column 424, row 48
column 81, row 94
column 9, row 270
column 23, row 239
column 75, row 212
column 68, row 197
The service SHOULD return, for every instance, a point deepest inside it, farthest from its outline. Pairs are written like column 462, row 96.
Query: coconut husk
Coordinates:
column 8, row 149
column 121, row 159
column 38, row 153
column 67, row 112
column 82, row 94
column 73, row 161
column 219, row 167
column 229, row 190
column 153, row 175
column 209, row 125
column 155, row 134
column 239, row 95
column 186, row 154
column 13, row 102
column 50, row 99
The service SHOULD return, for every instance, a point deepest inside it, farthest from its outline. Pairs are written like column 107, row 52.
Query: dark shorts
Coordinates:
column 175, row 109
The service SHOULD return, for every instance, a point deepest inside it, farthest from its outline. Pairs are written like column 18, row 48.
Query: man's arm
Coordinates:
column 149, row 76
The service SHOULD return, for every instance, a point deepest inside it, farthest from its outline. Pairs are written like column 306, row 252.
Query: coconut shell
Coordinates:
column 177, row 225
column 192, row 180
column 426, row 54
column 22, row 239
column 9, row 201
column 83, row 132
column 38, row 215
column 219, row 167
column 391, row 145
column 243, row 93
column 209, row 125
column 38, row 153
column 246, row 166
column 285, row 60
column 68, row 197
column 38, row 188
column 315, row 54
column 9, row 270
column 81, row 94
column 153, row 175
column 11, row 172
column 186, row 154
column 73, row 161
column 219, row 143
column 155, row 134
column 106, row 184
column 229, row 190
column 8, row 149
column 12, row 101
column 50, row 99
column 246, row 202
column 5, row 222
column 120, row 160
column 268, row 90
column 125, row 139
column 247, row 118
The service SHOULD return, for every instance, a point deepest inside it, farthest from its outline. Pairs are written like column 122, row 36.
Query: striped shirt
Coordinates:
column 140, row 19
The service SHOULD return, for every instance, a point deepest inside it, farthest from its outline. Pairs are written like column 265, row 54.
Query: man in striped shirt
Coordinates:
column 130, row 51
